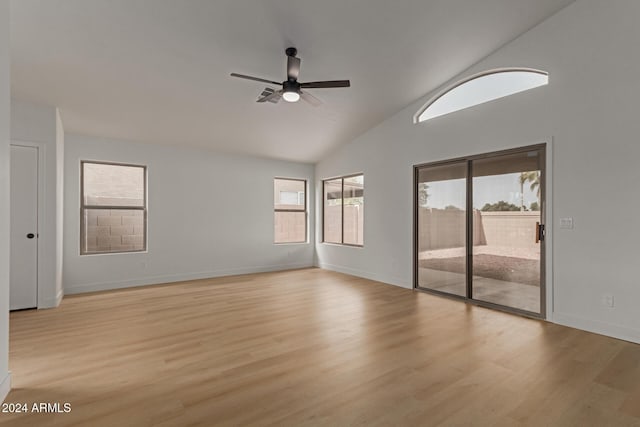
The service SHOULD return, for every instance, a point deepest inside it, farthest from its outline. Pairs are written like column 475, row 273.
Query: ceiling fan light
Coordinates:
column 291, row 96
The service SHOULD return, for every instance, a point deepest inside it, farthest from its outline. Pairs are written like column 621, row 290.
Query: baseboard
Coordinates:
column 154, row 280
column 5, row 387
column 59, row 297
column 51, row 302
column 597, row 327
column 396, row 281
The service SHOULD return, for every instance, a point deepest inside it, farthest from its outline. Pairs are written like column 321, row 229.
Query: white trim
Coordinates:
column 169, row 278
column 598, row 327
column 395, row 281
column 548, row 237
column 5, row 387
column 59, row 297
column 51, row 302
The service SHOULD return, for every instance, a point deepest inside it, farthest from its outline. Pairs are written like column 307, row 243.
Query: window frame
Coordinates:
column 462, row 82
column 306, row 211
column 84, row 207
column 341, row 178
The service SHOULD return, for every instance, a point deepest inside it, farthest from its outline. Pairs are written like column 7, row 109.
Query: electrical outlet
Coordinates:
column 608, row 300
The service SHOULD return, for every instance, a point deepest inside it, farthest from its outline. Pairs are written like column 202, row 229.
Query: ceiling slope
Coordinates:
column 157, row 71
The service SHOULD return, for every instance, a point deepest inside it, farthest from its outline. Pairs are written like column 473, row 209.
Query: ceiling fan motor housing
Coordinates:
column 291, row 51
column 291, row 86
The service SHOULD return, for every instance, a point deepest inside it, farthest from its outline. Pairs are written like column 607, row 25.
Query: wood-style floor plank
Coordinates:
column 311, row 347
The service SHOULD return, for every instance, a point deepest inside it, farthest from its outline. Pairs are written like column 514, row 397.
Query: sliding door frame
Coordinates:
column 542, row 148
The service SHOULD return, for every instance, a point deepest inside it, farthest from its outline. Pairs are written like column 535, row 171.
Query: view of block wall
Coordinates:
column 114, row 230
column 114, row 208
column 353, row 224
column 290, row 216
column 445, row 229
column 290, row 227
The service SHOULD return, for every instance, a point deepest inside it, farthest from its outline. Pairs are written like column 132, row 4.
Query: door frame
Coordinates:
column 546, row 256
column 41, row 147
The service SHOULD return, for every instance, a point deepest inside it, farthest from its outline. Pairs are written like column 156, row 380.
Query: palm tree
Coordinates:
column 535, row 184
column 423, row 195
column 534, row 178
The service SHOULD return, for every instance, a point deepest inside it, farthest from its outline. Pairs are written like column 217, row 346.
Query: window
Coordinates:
column 290, row 210
column 481, row 88
column 113, row 208
column 343, row 219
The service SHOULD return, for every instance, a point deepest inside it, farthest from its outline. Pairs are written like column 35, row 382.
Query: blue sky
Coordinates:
column 487, row 189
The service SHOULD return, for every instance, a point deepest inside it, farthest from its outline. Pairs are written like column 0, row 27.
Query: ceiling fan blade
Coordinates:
column 272, row 97
column 306, row 96
column 257, row 79
column 293, row 67
column 326, row 84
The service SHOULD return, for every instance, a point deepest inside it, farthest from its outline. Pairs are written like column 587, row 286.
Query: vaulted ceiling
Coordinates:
column 157, row 71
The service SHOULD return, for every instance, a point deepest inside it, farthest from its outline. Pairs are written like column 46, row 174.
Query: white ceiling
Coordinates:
column 157, row 71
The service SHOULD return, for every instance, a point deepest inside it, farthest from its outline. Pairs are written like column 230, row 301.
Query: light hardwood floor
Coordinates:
column 311, row 347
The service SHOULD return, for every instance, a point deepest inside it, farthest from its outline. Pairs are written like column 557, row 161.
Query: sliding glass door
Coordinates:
column 479, row 229
column 442, row 218
column 506, row 259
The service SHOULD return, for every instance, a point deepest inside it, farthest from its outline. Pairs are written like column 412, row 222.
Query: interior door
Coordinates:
column 24, row 228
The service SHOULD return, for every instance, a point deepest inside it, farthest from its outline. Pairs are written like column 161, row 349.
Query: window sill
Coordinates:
column 343, row 245
column 146, row 251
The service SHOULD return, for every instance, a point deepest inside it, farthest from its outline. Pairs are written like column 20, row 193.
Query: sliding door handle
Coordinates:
column 539, row 232
column 30, row 236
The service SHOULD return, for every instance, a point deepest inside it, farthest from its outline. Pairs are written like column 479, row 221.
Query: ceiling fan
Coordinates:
column 291, row 88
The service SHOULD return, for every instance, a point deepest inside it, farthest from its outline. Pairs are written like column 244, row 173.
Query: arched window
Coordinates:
column 481, row 88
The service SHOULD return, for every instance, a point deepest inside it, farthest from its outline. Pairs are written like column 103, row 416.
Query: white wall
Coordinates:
column 38, row 125
column 5, row 97
column 209, row 215
column 59, row 290
column 590, row 109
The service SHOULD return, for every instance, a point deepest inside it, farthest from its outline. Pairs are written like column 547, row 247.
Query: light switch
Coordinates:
column 566, row 223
